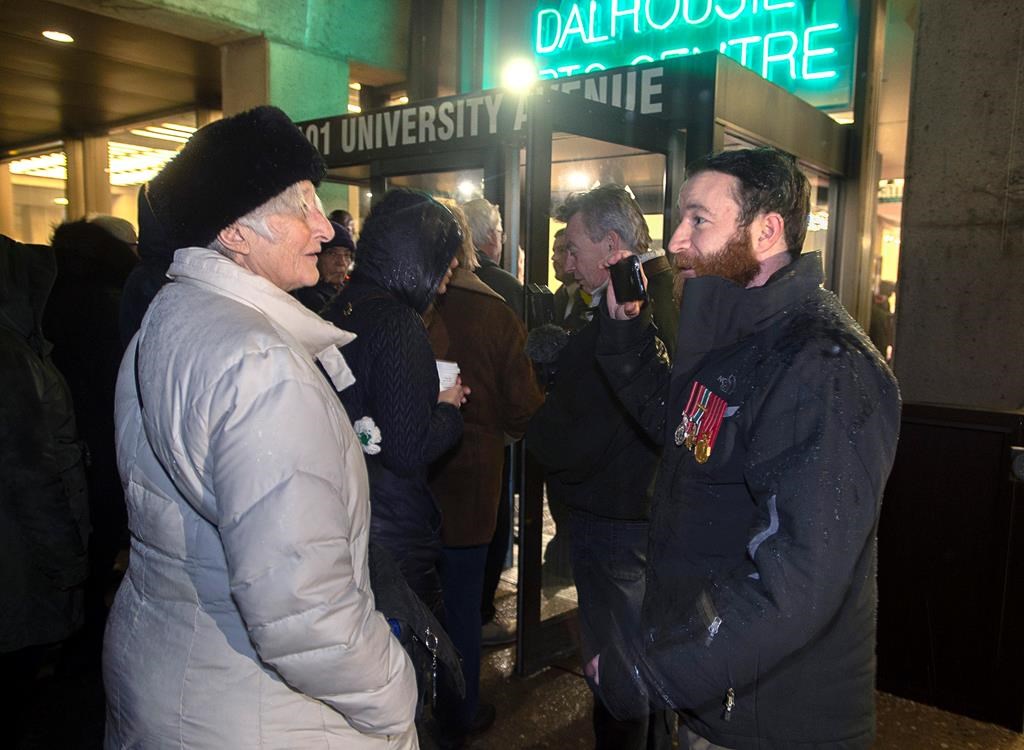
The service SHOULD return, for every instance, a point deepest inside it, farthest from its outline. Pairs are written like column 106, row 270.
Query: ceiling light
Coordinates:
column 133, row 165
column 181, row 128
column 147, row 133
column 354, row 108
column 467, row 189
column 52, row 165
column 578, row 180
column 58, row 36
column 355, row 86
column 61, row 201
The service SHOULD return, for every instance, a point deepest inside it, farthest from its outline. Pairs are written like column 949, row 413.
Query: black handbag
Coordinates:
column 416, row 628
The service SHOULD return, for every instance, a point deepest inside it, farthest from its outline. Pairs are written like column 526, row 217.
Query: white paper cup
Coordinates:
column 447, row 373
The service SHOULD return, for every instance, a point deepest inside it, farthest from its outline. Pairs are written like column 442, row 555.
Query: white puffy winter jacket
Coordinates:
column 246, row 618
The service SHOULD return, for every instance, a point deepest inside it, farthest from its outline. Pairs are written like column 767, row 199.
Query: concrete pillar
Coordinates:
column 88, row 186
column 6, row 201
column 304, row 84
column 960, row 299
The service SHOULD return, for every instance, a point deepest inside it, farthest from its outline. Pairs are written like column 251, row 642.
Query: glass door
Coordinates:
column 573, row 145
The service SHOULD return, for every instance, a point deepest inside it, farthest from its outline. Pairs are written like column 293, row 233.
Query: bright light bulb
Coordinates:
column 578, row 180
column 466, row 189
column 518, row 75
column 58, row 36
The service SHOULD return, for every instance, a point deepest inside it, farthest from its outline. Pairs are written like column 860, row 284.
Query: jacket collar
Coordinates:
column 485, row 260
column 463, row 279
column 200, row 266
column 717, row 312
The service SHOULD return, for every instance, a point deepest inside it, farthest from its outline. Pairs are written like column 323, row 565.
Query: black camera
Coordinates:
column 627, row 281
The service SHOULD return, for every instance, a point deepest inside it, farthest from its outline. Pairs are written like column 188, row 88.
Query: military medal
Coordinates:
column 684, row 432
column 702, row 451
column 701, row 421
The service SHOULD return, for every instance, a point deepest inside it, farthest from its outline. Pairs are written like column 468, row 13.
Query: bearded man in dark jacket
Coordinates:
column 779, row 422
column 599, row 462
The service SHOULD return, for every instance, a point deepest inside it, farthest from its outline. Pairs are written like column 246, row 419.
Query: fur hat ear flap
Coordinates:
column 227, row 169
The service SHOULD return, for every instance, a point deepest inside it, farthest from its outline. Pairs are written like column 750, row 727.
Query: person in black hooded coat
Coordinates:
column 406, row 253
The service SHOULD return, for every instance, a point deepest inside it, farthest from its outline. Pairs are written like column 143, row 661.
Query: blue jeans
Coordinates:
column 608, row 562
column 462, row 576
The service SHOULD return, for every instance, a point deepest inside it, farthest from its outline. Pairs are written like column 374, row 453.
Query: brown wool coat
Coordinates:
column 472, row 325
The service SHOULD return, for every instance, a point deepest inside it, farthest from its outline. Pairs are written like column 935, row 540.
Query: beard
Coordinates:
column 735, row 261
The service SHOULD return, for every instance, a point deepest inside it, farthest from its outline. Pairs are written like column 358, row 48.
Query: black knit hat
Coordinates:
column 227, row 169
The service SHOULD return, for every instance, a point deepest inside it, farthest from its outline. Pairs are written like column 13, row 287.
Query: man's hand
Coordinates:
column 590, row 670
column 626, row 310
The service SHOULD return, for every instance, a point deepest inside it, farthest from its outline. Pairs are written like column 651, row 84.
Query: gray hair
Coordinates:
column 289, row 202
column 483, row 218
column 609, row 208
column 466, row 252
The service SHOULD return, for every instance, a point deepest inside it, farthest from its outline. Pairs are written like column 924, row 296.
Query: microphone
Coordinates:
column 544, row 343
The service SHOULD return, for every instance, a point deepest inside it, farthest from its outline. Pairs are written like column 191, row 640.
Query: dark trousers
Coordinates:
column 462, row 574
column 608, row 560
column 497, row 550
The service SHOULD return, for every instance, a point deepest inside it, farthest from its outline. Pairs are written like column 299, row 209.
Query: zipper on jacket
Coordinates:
column 711, row 619
column 729, row 703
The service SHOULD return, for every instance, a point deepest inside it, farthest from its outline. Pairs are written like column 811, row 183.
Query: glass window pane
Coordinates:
column 37, row 190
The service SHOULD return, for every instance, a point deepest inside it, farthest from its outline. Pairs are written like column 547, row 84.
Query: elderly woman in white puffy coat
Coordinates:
column 246, row 617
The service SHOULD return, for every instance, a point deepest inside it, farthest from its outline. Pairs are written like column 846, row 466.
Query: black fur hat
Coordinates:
column 227, row 169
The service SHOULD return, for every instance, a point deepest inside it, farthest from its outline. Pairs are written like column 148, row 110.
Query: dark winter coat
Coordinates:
column 597, row 458
column 501, row 281
column 472, row 325
column 317, row 297
column 155, row 255
column 44, row 515
column 570, row 317
column 759, row 617
column 404, row 253
column 81, row 320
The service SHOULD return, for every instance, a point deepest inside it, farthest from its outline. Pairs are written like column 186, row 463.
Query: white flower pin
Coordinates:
column 369, row 435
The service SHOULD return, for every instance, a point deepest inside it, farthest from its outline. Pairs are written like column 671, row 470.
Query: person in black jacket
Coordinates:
column 779, row 422
column 81, row 320
column 44, row 511
column 485, row 224
column 155, row 255
column 599, row 462
column 406, row 255
column 334, row 263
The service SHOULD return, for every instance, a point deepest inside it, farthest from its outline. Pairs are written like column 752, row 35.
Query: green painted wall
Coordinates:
column 306, row 84
column 374, row 32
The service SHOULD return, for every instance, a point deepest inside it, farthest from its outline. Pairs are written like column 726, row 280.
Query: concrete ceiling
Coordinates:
column 114, row 73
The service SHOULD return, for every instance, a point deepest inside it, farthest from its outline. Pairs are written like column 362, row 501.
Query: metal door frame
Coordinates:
column 539, row 643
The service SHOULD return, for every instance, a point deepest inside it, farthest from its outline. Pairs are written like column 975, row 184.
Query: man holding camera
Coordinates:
column 778, row 421
column 598, row 460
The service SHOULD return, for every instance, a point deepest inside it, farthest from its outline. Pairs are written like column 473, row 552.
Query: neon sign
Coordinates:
column 805, row 46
